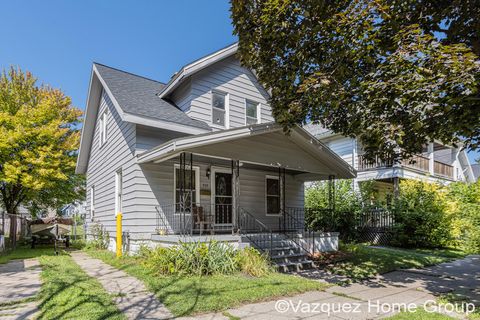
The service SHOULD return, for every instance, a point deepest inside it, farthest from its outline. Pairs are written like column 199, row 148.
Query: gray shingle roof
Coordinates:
column 137, row 95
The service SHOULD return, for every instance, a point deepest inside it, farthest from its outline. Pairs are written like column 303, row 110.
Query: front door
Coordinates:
column 223, row 198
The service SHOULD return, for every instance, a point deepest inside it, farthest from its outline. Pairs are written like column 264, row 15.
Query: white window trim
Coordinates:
column 279, row 195
column 213, row 170
column 118, row 191
column 103, row 127
column 196, row 169
column 92, row 202
column 259, row 110
column 227, row 109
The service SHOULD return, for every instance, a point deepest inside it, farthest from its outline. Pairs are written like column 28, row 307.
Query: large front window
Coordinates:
column 219, row 108
column 273, row 195
column 190, row 195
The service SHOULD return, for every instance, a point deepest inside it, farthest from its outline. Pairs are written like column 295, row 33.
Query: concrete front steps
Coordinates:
column 284, row 253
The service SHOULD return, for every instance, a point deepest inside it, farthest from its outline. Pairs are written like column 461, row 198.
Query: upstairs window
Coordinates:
column 252, row 112
column 219, row 102
column 103, row 128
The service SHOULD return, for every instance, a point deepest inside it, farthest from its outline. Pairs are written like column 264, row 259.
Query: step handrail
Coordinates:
column 305, row 230
column 246, row 220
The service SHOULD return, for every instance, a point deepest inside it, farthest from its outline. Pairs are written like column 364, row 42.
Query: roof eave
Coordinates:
column 196, row 66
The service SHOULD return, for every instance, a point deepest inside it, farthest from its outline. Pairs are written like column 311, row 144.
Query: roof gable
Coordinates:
column 196, row 66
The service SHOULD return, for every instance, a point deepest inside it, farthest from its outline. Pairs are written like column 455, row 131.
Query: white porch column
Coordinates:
column 431, row 160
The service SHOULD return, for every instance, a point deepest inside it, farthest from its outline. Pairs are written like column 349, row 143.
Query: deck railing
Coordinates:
column 443, row 169
column 418, row 162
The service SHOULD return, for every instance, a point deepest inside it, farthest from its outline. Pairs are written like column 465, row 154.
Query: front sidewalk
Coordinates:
column 129, row 293
column 371, row 299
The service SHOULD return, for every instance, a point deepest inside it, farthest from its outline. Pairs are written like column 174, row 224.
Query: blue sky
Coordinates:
column 57, row 40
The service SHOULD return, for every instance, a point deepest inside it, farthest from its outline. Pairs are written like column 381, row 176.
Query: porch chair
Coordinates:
column 201, row 219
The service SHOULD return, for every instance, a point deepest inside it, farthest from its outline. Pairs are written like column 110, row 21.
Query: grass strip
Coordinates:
column 69, row 293
column 187, row 295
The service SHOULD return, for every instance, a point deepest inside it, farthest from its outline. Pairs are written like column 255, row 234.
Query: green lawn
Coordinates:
column 365, row 262
column 67, row 292
column 191, row 295
column 26, row 253
column 419, row 314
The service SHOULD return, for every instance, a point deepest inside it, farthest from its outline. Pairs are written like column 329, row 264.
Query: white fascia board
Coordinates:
column 313, row 146
column 181, row 144
column 167, row 125
column 196, row 66
column 107, row 90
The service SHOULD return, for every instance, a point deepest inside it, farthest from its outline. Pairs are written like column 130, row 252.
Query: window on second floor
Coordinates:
column 103, row 128
column 252, row 112
column 219, row 108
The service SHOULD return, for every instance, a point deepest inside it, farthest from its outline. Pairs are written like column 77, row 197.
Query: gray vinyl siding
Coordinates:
column 226, row 76
column 116, row 153
column 156, row 188
column 344, row 147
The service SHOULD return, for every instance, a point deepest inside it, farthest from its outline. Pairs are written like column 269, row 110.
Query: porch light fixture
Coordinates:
column 208, row 173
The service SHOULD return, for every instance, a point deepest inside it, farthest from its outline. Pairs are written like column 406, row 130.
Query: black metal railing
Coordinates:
column 255, row 231
column 295, row 229
column 196, row 219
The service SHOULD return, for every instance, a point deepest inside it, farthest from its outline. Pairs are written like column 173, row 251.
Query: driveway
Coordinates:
column 371, row 299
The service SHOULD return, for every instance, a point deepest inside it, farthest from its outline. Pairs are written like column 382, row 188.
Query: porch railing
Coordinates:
column 443, row 169
column 295, row 229
column 196, row 219
column 418, row 162
column 255, row 231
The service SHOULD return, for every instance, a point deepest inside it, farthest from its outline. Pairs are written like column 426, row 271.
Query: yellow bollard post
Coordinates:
column 119, row 235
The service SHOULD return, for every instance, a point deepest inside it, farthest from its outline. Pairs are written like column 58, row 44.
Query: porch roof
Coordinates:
column 260, row 144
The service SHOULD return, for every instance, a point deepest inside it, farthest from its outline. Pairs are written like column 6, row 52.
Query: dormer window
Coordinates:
column 219, row 108
column 252, row 112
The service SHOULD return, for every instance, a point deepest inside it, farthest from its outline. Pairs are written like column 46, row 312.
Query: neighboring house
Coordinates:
column 437, row 163
column 198, row 155
column 72, row 209
column 476, row 171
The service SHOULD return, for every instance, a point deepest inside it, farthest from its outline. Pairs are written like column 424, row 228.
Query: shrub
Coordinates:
column 199, row 258
column 253, row 263
column 463, row 202
column 193, row 258
column 420, row 213
column 100, row 237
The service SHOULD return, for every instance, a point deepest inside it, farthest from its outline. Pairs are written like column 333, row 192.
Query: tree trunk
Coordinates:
column 13, row 230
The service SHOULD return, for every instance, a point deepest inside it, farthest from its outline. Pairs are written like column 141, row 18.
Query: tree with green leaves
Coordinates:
column 38, row 142
column 396, row 74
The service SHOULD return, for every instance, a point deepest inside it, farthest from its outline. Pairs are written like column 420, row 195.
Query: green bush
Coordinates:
column 199, row 258
column 250, row 261
column 421, row 219
column 463, row 204
column 193, row 258
column 100, row 238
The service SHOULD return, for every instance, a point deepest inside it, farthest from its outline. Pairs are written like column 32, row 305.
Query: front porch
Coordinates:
column 243, row 183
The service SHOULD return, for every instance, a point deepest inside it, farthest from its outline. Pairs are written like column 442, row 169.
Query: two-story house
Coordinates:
column 196, row 157
column 437, row 163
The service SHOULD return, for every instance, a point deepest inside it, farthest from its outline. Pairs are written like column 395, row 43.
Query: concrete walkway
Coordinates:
column 19, row 284
column 130, row 295
column 372, row 299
